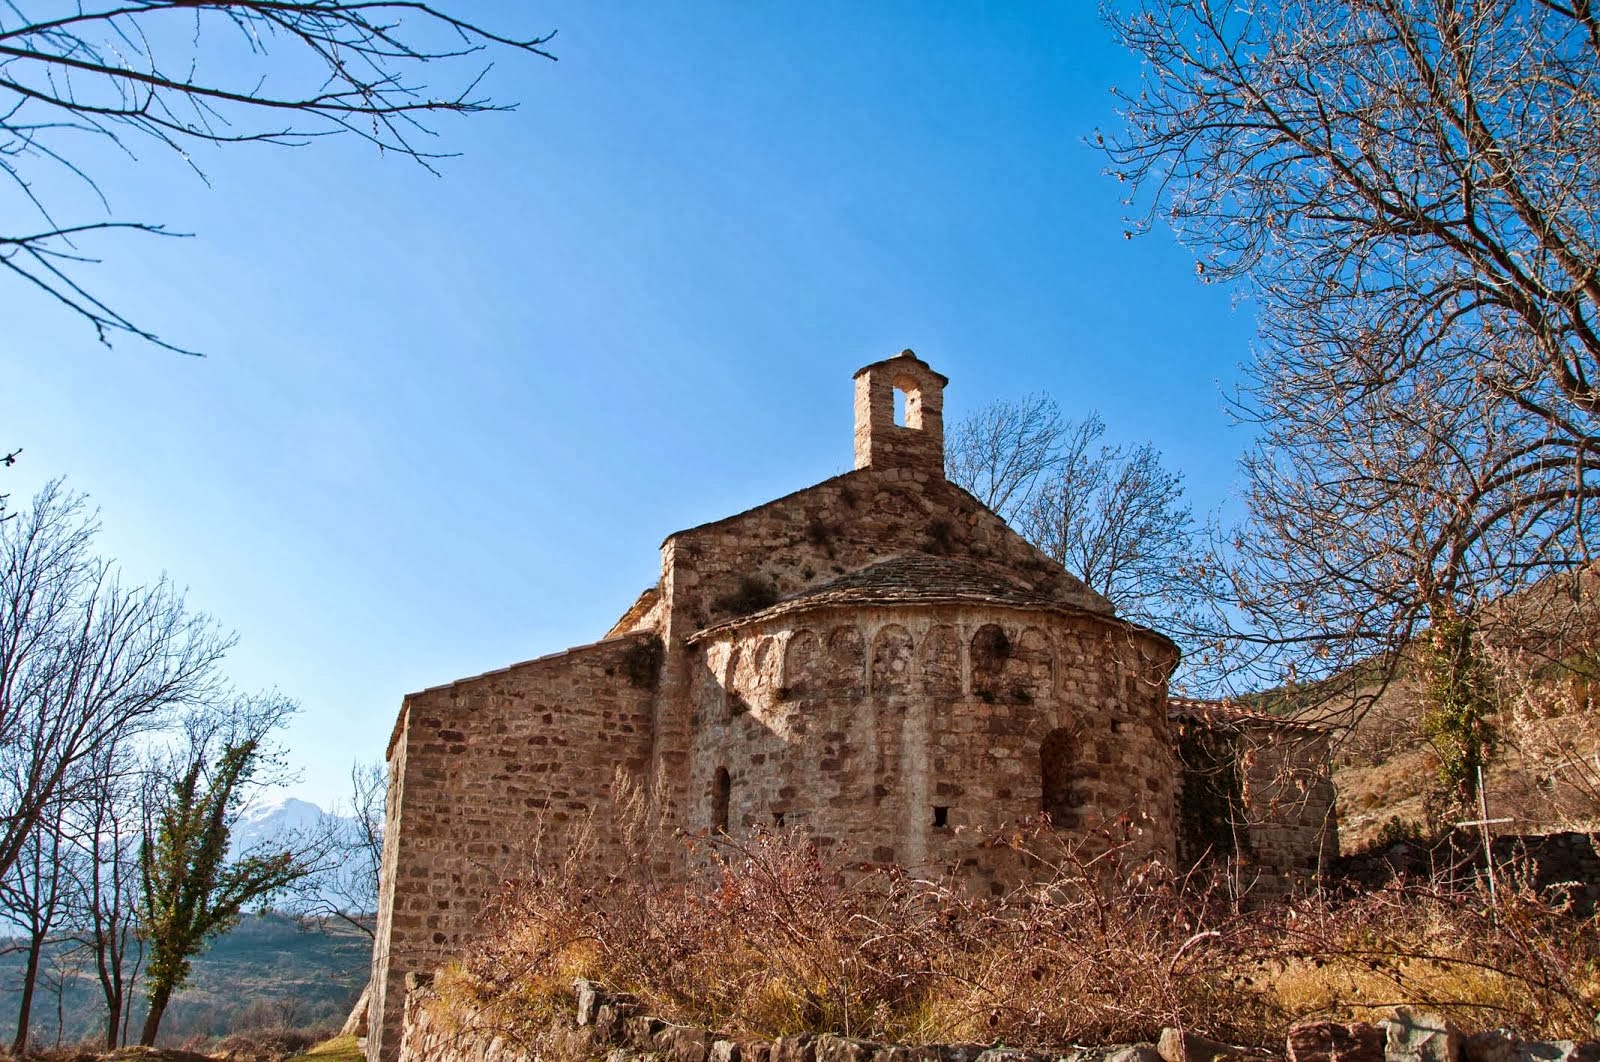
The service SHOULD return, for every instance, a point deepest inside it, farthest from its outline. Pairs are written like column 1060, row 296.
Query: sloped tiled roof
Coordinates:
column 915, row 579
column 1226, row 713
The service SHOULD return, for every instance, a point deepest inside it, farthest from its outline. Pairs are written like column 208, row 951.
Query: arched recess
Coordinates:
column 1028, row 677
column 891, row 662
column 846, row 661
column 735, row 702
column 939, row 662
column 1056, row 755
column 762, row 676
column 801, row 658
column 990, row 651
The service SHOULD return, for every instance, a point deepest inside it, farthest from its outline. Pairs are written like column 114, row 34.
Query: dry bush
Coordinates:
column 775, row 942
column 269, row 1044
column 1517, row 962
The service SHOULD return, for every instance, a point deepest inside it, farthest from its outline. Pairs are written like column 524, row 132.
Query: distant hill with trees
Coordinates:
column 271, row 971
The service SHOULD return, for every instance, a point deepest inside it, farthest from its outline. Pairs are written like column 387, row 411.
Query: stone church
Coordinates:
column 877, row 659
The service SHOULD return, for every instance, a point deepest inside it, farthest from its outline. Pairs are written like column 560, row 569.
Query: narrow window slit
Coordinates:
column 721, row 791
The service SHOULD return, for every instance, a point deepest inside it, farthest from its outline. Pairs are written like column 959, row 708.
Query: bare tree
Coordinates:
column 348, row 890
column 1408, row 190
column 1113, row 516
column 112, row 806
column 34, row 897
column 184, row 74
column 85, row 660
column 1005, row 451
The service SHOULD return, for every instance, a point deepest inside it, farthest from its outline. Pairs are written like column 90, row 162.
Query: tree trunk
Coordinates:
column 159, row 996
column 29, row 979
column 113, row 1019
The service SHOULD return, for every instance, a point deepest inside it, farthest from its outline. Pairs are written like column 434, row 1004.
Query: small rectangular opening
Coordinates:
column 777, row 818
column 941, row 817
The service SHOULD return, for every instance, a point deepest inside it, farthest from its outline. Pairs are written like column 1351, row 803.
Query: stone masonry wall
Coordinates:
column 914, row 734
column 1255, row 799
column 723, row 569
column 613, row 1026
column 490, row 775
column 1288, row 805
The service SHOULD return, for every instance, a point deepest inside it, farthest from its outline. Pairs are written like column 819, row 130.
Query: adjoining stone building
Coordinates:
column 878, row 659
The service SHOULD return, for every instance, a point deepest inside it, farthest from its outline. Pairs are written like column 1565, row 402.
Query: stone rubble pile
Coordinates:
column 624, row 1033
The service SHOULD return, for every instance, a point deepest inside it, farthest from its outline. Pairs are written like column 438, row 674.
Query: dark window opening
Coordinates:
column 1055, row 776
column 777, row 818
column 941, row 818
column 721, row 790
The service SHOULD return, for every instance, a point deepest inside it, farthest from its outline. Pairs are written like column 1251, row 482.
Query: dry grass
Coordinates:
column 776, row 943
column 339, row 1049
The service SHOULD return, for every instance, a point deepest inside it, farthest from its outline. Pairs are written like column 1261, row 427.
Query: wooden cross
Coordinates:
column 1483, row 822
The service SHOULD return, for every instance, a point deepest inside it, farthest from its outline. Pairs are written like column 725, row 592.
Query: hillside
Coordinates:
column 270, row 971
column 1544, row 645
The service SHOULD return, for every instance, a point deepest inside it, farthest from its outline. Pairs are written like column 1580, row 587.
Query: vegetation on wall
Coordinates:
column 1211, row 801
column 1458, row 706
column 752, row 594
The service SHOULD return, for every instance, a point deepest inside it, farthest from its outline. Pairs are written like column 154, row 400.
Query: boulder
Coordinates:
column 794, row 1049
column 682, row 1043
column 590, row 997
column 639, row 1031
column 1329, row 1041
column 1418, row 1036
column 831, row 1048
column 1176, row 1045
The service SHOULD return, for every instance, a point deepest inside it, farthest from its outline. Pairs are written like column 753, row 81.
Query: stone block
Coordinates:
column 682, row 1043
column 1494, row 1045
column 1418, row 1036
column 831, row 1048
column 1499, row 1045
column 794, row 1049
column 608, row 1023
column 640, row 1031
column 590, row 997
column 1009, row 1054
column 1176, row 1045
column 725, row 1051
column 1328, row 1041
column 1123, row 1053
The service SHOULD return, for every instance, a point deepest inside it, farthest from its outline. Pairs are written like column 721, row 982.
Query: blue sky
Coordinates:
column 444, row 423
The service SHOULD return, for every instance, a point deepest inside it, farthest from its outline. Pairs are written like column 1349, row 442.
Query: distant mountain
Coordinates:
column 284, row 819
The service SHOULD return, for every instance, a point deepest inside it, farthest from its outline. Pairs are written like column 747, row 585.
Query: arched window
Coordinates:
column 907, row 403
column 1055, row 776
column 721, row 790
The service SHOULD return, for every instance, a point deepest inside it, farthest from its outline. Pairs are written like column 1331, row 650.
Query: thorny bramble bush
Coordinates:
column 1105, row 949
